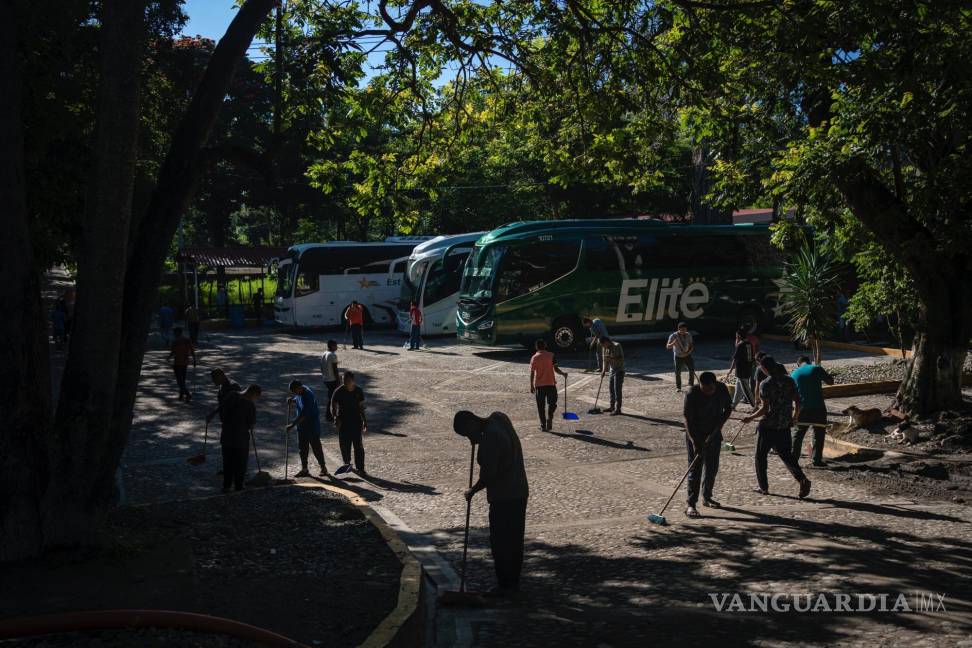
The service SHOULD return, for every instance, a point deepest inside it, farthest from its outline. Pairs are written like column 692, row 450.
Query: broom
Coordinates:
column 260, row 478
column 462, row 597
column 728, row 445
column 659, row 518
column 568, row 415
column 595, row 409
column 200, row 458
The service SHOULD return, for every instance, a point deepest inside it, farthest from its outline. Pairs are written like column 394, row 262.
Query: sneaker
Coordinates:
column 692, row 512
column 711, row 503
column 678, row 390
column 819, row 464
column 302, row 473
column 323, row 472
column 361, row 472
column 804, row 488
column 543, row 428
column 761, row 491
column 549, row 424
column 616, row 413
column 343, row 469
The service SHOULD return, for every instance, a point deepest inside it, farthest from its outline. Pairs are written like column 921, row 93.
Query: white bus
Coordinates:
column 432, row 280
column 316, row 282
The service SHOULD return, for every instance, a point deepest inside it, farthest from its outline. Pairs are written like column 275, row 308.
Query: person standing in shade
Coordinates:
column 179, row 353
column 742, row 368
column 780, row 405
column 503, row 476
column 598, row 331
column 613, row 361
column 225, row 387
column 166, row 322
column 706, row 409
column 543, row 383
column 239, row 417
column 415, row 331
column 59, row 323
column 810, row 379
column 307, row 420
column 329, row 372
column 348, row 409
column 682, row 346
column 355, row 318
column 192, row 323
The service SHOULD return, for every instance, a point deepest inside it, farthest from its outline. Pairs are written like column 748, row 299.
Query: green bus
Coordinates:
column 538, row 279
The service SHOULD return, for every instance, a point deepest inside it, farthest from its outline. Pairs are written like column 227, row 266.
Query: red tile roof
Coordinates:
column 251, row 257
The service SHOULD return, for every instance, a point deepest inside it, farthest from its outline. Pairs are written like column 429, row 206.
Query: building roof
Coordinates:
column 215, row 257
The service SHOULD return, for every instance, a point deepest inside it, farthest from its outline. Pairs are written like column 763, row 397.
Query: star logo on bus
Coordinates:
column 364, row 283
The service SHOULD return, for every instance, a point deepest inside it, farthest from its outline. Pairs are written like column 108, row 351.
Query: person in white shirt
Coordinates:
column 329, row 371
column 682, row 346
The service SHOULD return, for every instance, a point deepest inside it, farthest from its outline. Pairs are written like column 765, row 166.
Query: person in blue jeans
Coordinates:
column 809, row 379
column 706, row 409
column 415, row 332
column 308, row 424
column 613, row 361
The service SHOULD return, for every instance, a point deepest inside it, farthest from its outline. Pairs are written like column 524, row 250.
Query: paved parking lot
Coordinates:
column 597, row 574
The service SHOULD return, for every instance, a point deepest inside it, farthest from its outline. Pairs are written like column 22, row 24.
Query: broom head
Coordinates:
column 195, row 460
column 660, row 520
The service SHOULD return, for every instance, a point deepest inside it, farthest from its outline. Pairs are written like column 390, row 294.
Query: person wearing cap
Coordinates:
column 706, row 409
column 598, row 330
column 502, row 475
column 308, row 424
column 682, row 346
column 779, row 407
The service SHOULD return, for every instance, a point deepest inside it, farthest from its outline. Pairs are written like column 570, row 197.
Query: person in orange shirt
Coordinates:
column 355, row 318
column 543, row 383
column 179, row 353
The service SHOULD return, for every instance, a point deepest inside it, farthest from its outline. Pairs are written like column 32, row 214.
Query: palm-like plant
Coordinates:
column 810, row 284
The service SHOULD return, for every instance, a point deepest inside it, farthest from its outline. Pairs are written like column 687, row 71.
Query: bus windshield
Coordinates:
column 477, row 279
column 411, row 283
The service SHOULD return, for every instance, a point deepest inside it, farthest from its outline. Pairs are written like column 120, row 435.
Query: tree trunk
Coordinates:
column 82, row 487
column 25, row 383
column 702, row 212
column 933, row 378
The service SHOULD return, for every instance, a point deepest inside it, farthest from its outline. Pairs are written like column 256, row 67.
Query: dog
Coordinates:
column 862, row 418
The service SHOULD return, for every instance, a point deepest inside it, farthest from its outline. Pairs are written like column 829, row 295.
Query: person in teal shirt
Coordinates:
column 809, row 379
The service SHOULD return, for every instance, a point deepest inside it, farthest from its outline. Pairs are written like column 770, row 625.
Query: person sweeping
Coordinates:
column 239, row 416
column 543, row 383
column 706, row 409
column 348, row 409
column 308, row 424
column 503, row 477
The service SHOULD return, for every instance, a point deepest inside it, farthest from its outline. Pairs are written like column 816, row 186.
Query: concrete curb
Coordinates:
column 847, row 346
column 853, row 389
column 404, row 625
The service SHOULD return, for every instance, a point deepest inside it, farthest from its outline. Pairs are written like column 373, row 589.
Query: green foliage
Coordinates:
column 808, row 295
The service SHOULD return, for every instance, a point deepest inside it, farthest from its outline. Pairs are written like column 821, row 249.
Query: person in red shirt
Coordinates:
column 543, row 383
column 355, row 318
column 415, row 333
column 179, row 353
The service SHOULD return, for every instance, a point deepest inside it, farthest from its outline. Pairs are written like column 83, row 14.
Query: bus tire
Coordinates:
column 751, row 319
column 566, row 334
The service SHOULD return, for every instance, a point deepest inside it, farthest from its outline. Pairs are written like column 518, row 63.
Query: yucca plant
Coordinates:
column 810, row 284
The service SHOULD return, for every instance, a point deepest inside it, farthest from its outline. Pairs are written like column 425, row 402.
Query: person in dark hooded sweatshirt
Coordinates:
column 502, row 475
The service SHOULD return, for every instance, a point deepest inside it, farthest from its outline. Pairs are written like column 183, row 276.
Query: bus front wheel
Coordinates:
column 566, row 334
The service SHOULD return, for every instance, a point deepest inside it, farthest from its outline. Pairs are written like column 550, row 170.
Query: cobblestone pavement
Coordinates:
column 596, row 573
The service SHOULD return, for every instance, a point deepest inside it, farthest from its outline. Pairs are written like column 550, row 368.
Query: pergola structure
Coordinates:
column 241, row 261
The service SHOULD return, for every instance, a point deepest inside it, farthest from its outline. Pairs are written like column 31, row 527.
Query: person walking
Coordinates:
column 543, row 383
column 810, row 379
column 742, row 368
column 682, row 346
column 239, row 418
column 307, row 420
column 415, row 331
column 503, row 476
column 706, row 409
column 192, row 323
column 166, row 322
column 348, row 409
column 614, row 361
column 329, row 372
column 355, row 318
column 780, row 404
column 598, row 331
column 179, row 354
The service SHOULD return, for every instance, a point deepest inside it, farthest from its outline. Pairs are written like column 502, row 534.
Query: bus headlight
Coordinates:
column 485, row 325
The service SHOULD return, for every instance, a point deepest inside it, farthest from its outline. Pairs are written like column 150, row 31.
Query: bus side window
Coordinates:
column 526, row 268
column 601, row 254
column 308, row 281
